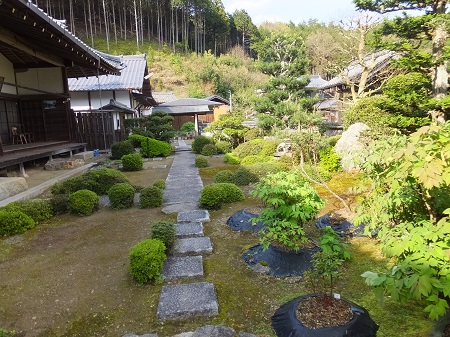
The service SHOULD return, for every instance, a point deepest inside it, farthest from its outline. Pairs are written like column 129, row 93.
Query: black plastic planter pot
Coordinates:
column 286, row 324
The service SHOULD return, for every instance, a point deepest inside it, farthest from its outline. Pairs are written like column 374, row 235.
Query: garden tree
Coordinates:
column 282, row 56
column 158, row 124
column 408, row 203
column 217, row 25
column 245, row 27
column 229, row 128
column 413, row 32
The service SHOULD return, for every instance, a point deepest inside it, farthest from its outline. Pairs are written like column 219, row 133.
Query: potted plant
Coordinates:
column 324, row 313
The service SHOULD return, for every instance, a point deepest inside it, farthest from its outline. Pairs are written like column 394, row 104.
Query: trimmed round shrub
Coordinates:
column 163, row 231
column 231, row 193
column 199, row 142
column 263, row 169
column 225, row 176
column 284, row 163
column 120, row 149
column 121, row 196
column 229, row 158
column 96, row 180
column 214, row 195
column 146, row 260
column 254, row 159
column 249, row 148
column 83, row 202
column 132, row 162
column 209, row 150
column 329, row 160
column 160, row 183
column 243, row 177
column 252, row 134
column 37, row 209
column 201, row 161
column 60, row 204
column 151, row 196
column 224, row 147
column 14, row 222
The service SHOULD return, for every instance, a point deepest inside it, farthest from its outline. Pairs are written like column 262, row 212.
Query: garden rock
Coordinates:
column 188, row 229
column 190, row 246
column 12, row 186
column 280, row 262
column 193, row 216
column 214, row 331
column 241, row 221
column 349, row 146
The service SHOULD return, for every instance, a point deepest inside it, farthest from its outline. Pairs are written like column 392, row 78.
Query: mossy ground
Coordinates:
column 70, row 277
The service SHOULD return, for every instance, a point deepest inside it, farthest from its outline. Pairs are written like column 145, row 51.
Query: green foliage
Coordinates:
column 255, row 159
column 160, row 183
column 132, row 162
column 201, row 161
column 14, row 222
column 329, row 160
column 37, row 209
column 163, row 231
column 252, row 134
column 199, row 142
column 209, row 150
column 229, row 158
column 120, row 149
column 229, row 127
column 187, row 129
column 214, row 195
column 151, row 196
column 60, row 204
column 147, row 260
column 151, row 147
column 409, row 204
column 263, row 169
column 253, row 147
column 327, row 262
column 96, row 180
column 224, row 176
column 158, row 125
column 290, row 203
column 83, row 202
column 223, row 146
column 243, row 177
column 7, row 333
column 121, row 196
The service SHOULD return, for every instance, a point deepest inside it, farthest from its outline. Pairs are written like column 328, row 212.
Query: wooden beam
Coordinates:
column 21, row 44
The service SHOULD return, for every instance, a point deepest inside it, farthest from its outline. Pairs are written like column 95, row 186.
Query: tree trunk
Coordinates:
column 440, row 73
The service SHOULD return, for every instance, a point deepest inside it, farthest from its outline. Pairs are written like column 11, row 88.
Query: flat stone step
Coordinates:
column 187, row 300
column 192, row 246
column 183, row 267
column 193, row 216
column 189, row 230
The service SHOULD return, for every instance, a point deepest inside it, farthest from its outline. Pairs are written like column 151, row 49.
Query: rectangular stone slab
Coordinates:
column 192, row 246
column 183, row 267
column 187, row 300
column 189, row 230
column 193, row 216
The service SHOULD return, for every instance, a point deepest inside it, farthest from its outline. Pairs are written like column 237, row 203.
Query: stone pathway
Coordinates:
column 183, row 186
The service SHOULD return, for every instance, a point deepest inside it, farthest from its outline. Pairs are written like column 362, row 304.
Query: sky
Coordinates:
column 296, row 11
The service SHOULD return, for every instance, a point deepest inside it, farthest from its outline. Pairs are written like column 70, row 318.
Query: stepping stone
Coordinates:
column 189, row 230
column 192, row 246
column 159, row 166
column 187, row 300
column 177, row 267
column 196, row 216
column 157, row 159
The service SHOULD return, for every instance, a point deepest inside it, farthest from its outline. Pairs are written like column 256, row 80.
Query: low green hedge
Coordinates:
column 147, row 260
column 14, row 222
column 199, row 142
column 209, row 150
column 224, row 176
column 214, row 195
column 121, row 196
column 120, row 149
column 151, row 196
column 83, row 202
column 163, row 231
column 160, row 183
column 37, row 209
column 243, row 177
column 95, row 180
column 151, row 147
column 132, row 162
column 201, row 161
column 230, row 158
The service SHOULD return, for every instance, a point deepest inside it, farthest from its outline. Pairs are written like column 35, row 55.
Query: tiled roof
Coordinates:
column 217, row 98
column 131, row 78
column 188, row 102
column 315, row 81
column 186, row 106
column 354, row 70
column 163, row 96
column 329, row 104
column 114, row 105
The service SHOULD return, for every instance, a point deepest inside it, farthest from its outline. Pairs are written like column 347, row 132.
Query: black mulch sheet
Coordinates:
column 241, row 221
column 342, row 228
column 281, row 263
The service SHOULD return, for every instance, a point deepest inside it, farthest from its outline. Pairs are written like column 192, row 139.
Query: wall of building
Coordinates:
column 48, row 80
column 7, row 71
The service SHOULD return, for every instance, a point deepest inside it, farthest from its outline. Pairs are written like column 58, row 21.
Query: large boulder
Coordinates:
column 12, row 186
column 349, row 146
